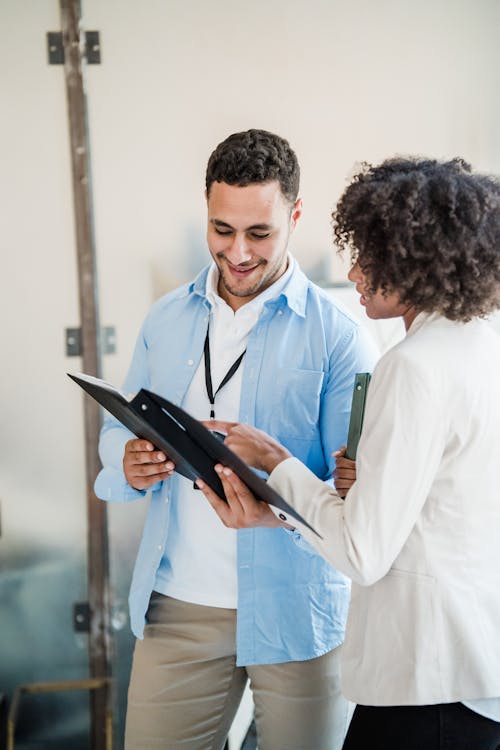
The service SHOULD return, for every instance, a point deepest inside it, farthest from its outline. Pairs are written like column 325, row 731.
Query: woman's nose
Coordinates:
column 354, row 273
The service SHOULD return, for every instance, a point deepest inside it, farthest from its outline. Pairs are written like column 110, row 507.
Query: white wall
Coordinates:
column 41, row 443
column 343, row 80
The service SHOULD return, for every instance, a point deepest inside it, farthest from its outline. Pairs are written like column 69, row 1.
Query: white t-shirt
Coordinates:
column 199, row 563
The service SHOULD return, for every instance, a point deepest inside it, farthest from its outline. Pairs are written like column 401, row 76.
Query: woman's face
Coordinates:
column 377, row 305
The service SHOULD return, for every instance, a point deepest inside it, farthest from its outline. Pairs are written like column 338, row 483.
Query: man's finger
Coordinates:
column 139, row 445
column 138, row 457
column 149, row 470
column 144, row 483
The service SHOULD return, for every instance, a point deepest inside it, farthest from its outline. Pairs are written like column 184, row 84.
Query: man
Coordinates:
column 223, row 606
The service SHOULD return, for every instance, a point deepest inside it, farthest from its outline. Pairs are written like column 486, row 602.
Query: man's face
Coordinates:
column 377, row 305
column 247, row 234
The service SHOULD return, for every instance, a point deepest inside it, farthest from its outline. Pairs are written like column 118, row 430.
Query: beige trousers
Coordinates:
column 185, row 687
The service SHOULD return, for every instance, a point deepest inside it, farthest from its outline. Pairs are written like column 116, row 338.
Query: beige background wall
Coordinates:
column 343, row 80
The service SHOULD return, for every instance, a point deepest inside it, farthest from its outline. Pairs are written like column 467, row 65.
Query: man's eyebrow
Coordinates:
column 260, row 227
column 219, row 223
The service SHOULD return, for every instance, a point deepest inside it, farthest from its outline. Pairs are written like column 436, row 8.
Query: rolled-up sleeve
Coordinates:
column 111, row 483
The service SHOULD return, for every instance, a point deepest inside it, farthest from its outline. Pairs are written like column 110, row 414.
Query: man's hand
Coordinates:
column 145, row 466
column 255, row 447
column 242, row 510
column 344, row 475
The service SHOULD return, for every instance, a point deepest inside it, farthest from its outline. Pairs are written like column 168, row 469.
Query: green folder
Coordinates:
column 359, row 394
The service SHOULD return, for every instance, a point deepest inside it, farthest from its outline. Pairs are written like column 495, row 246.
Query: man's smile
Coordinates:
column 242, row 271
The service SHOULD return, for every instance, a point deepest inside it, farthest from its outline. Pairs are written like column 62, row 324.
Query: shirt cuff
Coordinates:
column 112, row 485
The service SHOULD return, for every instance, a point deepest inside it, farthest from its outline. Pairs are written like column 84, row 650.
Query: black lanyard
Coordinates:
column 208, row 376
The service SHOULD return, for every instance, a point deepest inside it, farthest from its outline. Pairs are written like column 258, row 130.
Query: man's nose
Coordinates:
column 238, row 252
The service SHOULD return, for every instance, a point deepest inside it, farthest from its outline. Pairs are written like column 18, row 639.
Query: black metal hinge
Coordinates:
column 55, row 48
column 81, row 617
column 73, row 340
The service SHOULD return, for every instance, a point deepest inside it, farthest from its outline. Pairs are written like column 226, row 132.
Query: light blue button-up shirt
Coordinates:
column 299, row 368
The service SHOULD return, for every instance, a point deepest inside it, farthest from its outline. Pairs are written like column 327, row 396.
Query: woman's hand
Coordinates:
column 255, row 447
column 344, row 475
column 242, row 509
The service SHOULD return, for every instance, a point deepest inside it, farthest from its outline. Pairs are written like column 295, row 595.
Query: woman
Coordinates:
column 418, row 532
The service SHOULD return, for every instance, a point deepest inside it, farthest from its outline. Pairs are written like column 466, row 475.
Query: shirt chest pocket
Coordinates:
column 296, row 403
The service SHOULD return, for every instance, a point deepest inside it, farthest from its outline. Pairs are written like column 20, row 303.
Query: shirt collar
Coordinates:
column 295, row 291
column 272, row 292
column 420, row 320
column 292, row 286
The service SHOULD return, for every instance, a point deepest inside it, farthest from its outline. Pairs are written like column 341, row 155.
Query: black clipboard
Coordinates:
column 187, row 442
column 359, row 394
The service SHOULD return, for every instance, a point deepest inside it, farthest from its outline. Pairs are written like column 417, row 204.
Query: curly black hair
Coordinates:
column 255, row 156
column 427, row 230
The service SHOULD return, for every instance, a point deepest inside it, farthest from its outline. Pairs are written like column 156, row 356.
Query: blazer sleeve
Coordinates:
column 398, row 457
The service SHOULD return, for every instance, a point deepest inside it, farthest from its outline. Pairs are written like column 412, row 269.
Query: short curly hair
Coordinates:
column 427, row 230
column 255, row 156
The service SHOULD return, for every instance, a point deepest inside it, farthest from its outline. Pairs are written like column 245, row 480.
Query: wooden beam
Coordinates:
column 97, row 536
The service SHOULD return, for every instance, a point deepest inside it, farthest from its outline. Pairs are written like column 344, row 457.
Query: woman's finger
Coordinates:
column 233, row 489
column 218, row 425
column 252, row 511
column 345, row 473
column 340, row 453
column 220, row 506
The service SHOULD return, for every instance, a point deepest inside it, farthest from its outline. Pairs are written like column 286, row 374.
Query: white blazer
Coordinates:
column 419, row 531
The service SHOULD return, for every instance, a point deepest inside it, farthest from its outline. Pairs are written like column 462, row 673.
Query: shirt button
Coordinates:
column 280, row 312
column 159, row 547
column 190, row 362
